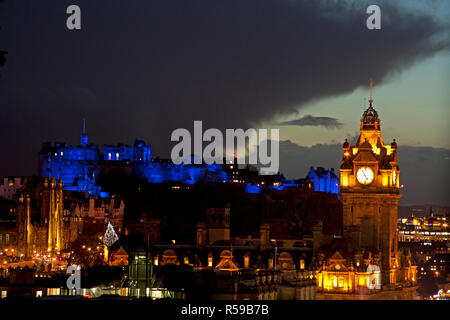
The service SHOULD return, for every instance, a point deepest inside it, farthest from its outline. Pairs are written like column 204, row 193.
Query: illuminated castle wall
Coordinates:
column 324, row 180
column 157, row 172
column 78, row 166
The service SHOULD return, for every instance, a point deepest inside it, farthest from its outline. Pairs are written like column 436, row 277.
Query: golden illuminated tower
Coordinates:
column 24, row 226
column 369, row 189
column 40, row 218
column 55, row 212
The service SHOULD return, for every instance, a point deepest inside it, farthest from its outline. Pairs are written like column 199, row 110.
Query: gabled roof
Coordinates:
column 337, row 256
column 227, row 263
column 365, row 156
column 120, row 252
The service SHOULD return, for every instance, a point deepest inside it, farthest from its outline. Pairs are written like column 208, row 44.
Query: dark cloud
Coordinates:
column 308, row 120
column 424, row 171
column 144, row 68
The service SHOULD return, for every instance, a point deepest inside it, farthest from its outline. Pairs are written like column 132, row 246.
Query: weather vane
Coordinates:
column 371, row 84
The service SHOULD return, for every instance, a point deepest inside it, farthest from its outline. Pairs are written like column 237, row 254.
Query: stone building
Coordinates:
column 95, row 212
column 39, row 217
column 10, row 186
column 370, row 192
column 254, row 267
column 44, row 218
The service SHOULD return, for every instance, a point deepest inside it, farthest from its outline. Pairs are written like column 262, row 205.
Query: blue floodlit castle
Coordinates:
column 324, row 180
column 78, row 166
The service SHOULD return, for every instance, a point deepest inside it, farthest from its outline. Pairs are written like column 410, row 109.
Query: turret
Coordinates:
column 394, row 145
column 84, row 137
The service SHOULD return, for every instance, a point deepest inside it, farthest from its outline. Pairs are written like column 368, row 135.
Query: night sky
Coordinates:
column 144, row 68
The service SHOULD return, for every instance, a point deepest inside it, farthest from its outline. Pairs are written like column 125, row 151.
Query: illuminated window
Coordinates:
column 117, row 156
column 376, row 150
column 334, row 282
column 109, row 156
column 53, row 291
column 186, row 260
column 155, row 261
column 302, row 264
column 361, row 281
column 246, row 261
column 385, row 181
column 341, row 282
column 345, row 180
column 210, row 261
column 38, row 294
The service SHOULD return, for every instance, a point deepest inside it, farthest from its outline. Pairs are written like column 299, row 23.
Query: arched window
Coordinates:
column 210, row 259
column 341, row 282
column 247, row 260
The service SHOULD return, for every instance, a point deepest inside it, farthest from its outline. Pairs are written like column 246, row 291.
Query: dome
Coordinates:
column 365, row 145
column 370, row 116
column 394, row 144
column 346, row 144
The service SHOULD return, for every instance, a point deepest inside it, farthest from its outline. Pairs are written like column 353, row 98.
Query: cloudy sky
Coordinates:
column 144, row 68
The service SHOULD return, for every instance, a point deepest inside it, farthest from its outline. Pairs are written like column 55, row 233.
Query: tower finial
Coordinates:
column 371, row 84
column 84, row 136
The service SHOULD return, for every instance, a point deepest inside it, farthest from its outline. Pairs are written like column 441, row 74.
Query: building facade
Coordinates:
column 370, row 192
column 40, row 218
column 367, row 255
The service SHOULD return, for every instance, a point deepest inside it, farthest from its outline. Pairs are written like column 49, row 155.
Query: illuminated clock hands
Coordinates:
column 365, row 175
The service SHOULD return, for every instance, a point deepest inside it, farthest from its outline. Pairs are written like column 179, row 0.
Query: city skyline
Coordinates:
column 306, row 73
column 217, row 157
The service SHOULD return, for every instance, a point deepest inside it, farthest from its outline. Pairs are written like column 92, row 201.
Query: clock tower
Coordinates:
column 369, row 189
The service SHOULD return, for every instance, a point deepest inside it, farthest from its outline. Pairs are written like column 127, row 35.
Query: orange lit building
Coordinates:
column 40, row 227
column 370, row 192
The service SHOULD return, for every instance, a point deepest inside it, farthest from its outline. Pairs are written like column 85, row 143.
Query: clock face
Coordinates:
column 365, row 175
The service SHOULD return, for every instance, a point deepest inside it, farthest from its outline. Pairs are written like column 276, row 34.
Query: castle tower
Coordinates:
column 369, row 189
column 84, row 137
